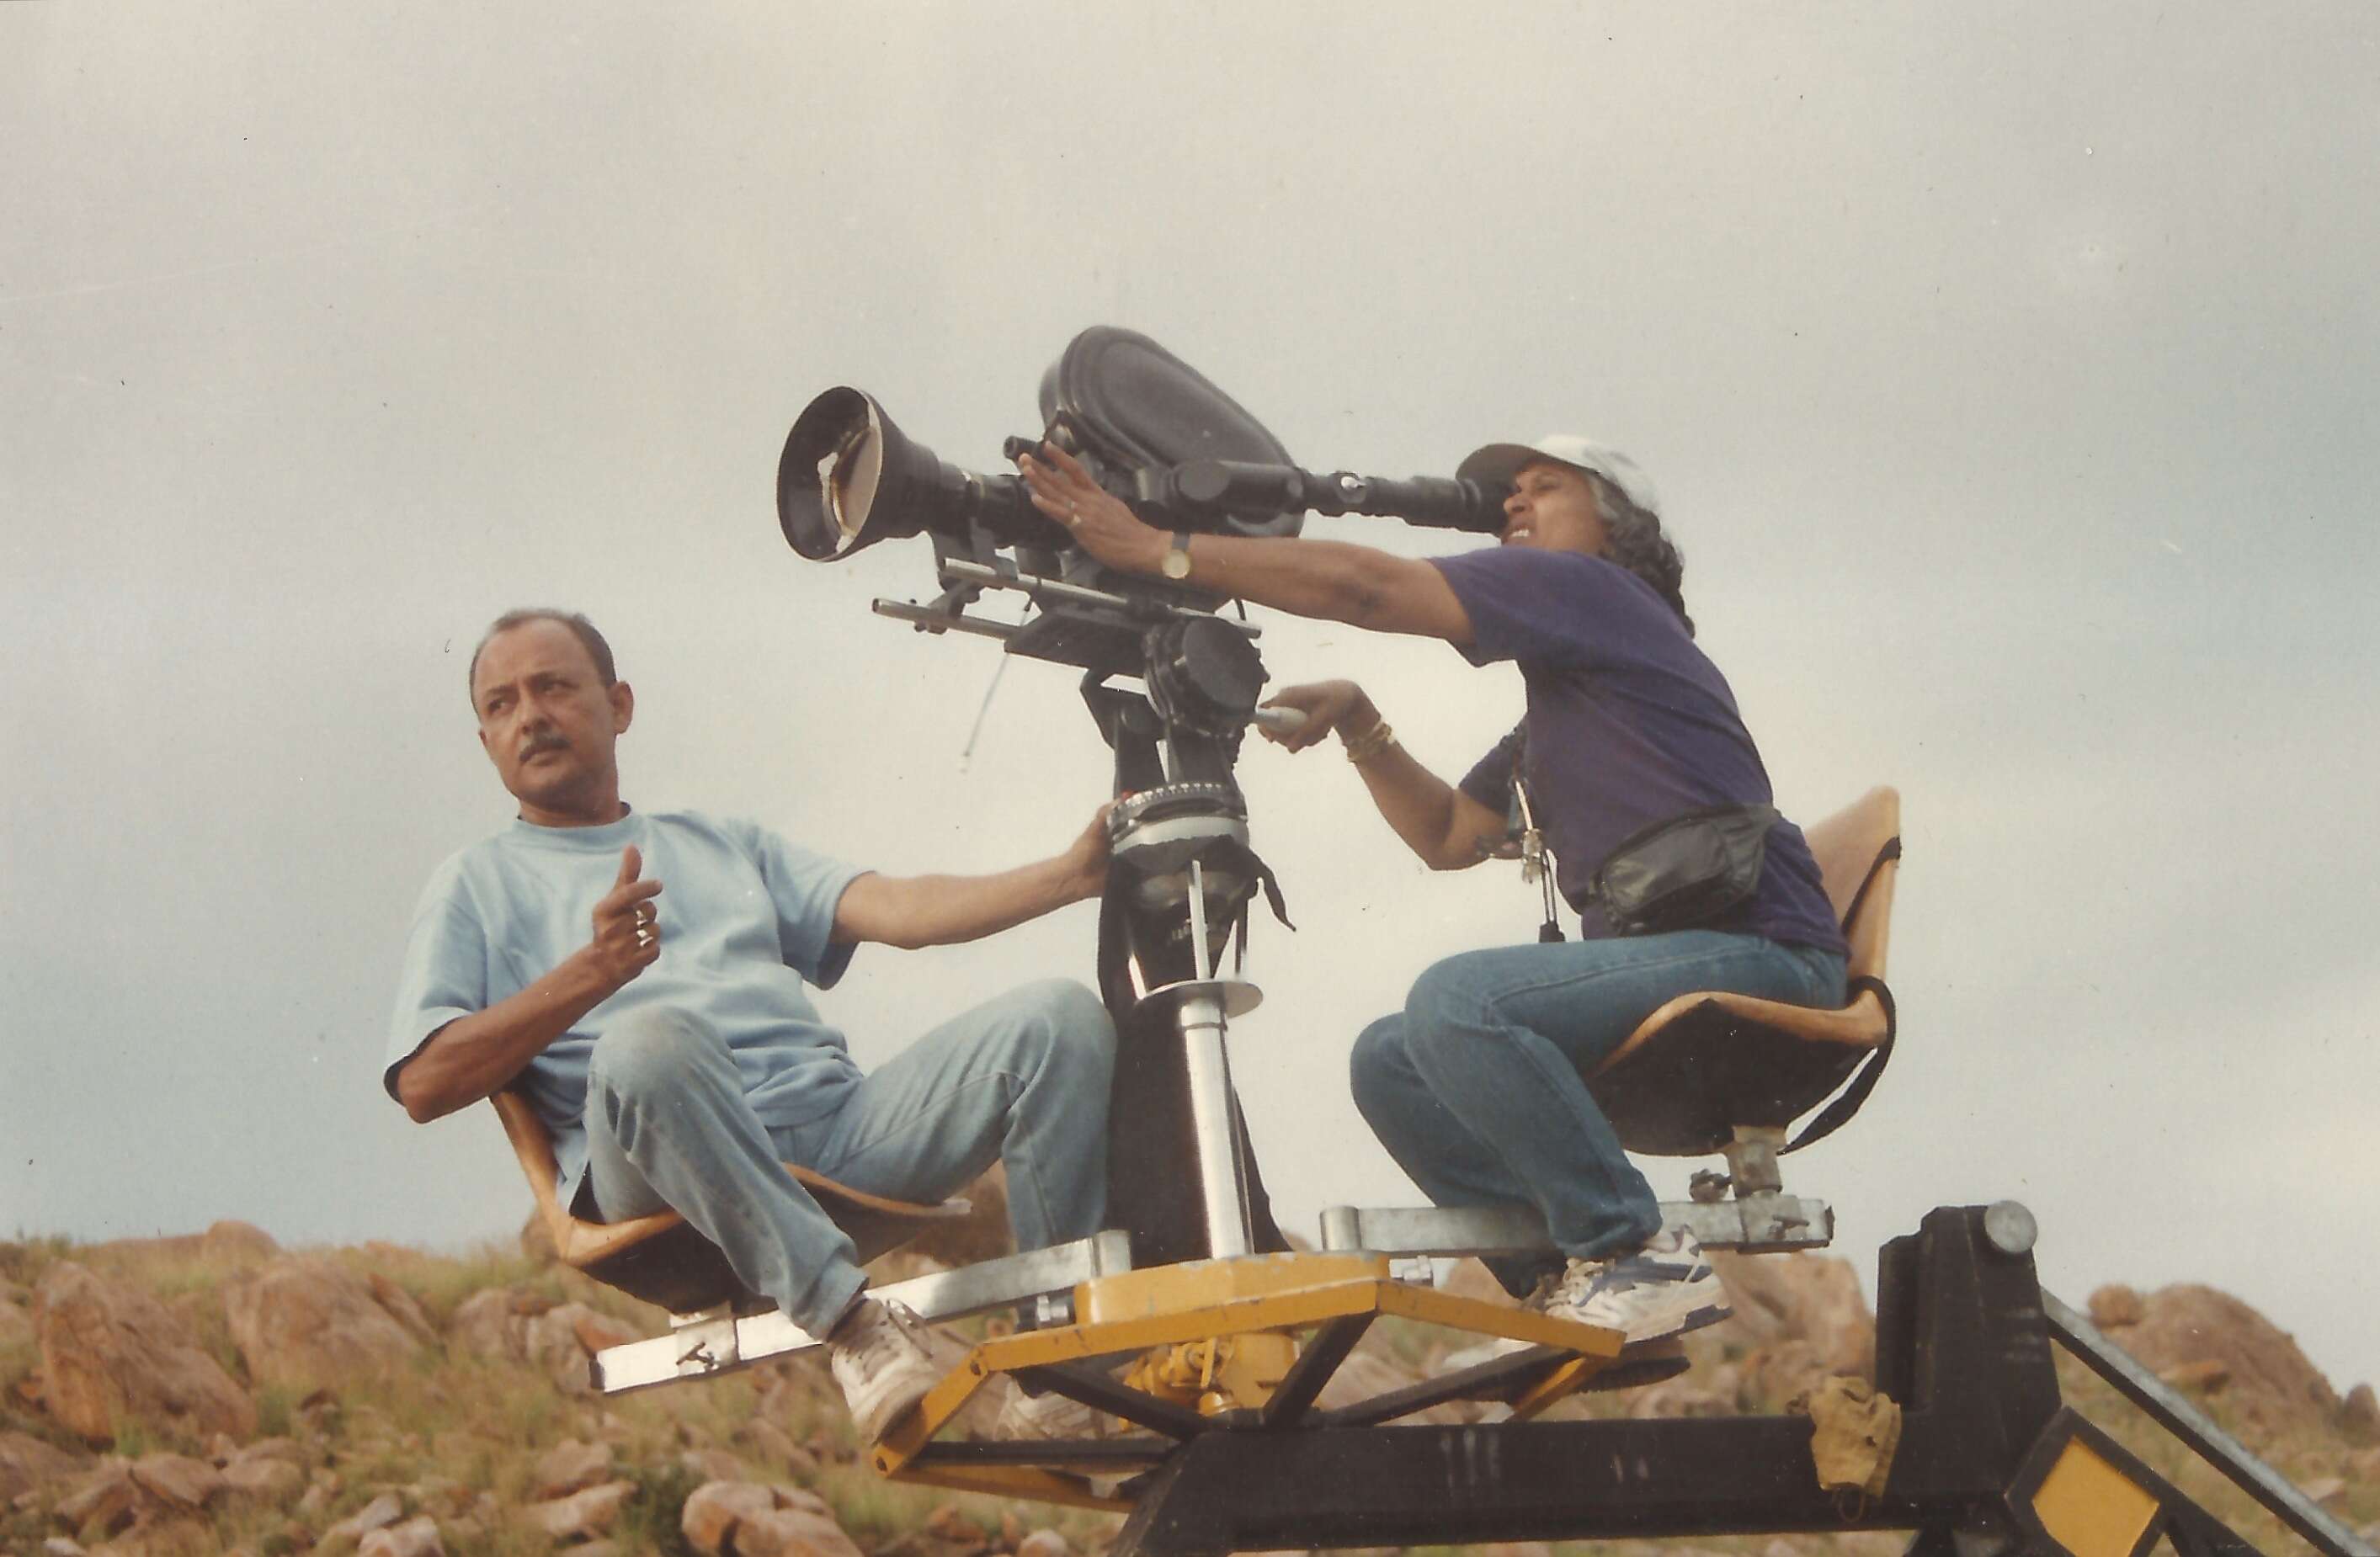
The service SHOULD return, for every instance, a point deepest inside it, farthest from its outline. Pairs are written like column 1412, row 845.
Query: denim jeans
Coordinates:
column 1023, row 1078
column 1477, row 1087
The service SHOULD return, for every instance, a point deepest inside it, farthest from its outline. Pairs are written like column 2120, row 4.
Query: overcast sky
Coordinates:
column 2010, row 374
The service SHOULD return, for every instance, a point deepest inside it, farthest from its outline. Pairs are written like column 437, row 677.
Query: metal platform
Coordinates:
column 1988, row 1463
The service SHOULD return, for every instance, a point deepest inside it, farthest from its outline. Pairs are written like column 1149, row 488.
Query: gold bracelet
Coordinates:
column 1371, row 744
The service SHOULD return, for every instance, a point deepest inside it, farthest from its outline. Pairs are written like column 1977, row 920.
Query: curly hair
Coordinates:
column 1633, row 539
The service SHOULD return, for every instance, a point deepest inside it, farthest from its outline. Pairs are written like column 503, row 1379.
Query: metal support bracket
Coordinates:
column 1764, row 1224
column 718, row 1342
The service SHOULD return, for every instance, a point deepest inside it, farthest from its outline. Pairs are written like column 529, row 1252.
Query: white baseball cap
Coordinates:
column 1497, row 464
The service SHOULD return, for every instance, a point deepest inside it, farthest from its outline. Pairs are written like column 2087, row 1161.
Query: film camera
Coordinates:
column 1158, row 434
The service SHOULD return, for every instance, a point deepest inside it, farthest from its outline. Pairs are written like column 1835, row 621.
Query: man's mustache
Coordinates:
column 538, row 743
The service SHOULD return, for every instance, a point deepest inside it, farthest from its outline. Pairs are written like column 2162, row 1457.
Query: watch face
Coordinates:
column 1177, row 561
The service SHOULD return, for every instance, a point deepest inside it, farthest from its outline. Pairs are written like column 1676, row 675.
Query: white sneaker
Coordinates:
column 1665, row 1288
column 1034, row 1418
column 880, row 1359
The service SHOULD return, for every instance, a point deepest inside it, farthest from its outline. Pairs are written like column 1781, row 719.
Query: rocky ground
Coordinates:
column 218, row 1394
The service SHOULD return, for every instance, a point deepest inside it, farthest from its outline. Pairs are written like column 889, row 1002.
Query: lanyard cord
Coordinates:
column 1534, row 861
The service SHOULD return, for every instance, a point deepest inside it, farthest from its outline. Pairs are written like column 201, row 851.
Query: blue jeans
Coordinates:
column 1477, row 1087
column 1023, row 1078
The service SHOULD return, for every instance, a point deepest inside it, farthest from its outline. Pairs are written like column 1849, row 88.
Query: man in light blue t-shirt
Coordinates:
column 644, row 976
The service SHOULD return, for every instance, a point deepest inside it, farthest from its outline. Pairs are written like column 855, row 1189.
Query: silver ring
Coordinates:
column 644, row 936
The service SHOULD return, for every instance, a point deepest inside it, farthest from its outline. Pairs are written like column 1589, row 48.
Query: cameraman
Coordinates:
column 1477, row 1087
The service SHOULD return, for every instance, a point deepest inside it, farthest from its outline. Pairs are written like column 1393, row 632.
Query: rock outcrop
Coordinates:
column 2199, row 1338
column 571, row 1466
column 157, row 1499
column 2361, row 1414
column 416, row 1537
column 1811, row 1298
column 112, row 1354
column 308, row 1320
column 562, row 1339
column 746, row 1519
column 493, row 1323
column 376, row 1471
column 26, row 1463
column 582, row 1516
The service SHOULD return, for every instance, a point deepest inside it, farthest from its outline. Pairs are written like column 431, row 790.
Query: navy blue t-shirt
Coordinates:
column 1627, row 724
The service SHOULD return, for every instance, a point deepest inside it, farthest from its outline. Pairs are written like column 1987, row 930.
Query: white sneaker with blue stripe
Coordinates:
column 1665, row 1288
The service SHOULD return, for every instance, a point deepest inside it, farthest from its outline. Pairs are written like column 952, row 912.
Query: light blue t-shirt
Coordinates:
column 747, row 920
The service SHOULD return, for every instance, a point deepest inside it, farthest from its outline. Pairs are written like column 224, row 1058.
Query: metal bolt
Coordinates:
column 2011, row 1228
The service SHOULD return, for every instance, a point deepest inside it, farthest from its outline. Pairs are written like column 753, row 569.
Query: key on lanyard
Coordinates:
column 1534, row 867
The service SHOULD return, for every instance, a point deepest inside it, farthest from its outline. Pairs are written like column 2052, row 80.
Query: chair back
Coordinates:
column 533, row 1145
column 1708, row 1063
column 1850, row 847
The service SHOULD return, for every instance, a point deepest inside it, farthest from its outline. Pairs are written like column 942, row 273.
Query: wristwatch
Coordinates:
column 1176, row 562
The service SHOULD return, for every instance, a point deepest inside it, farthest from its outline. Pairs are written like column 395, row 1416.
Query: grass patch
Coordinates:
column 650, row 1519
column 24, row 1259
column 441, row 1284
column 19, row 1359
column 873, row 1511
column 133, row 1439
column 277, row 1408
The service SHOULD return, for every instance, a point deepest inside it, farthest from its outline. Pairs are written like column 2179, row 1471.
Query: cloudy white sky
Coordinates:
column 2010, row 373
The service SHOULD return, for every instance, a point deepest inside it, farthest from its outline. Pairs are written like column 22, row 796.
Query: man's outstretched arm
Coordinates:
column 472, row 1056
column 922, row 910
column 1325, row 579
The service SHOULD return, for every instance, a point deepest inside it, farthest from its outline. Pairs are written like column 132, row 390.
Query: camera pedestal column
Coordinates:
column 1175, row 844
column 1201, row 1009
column 1215, row 1374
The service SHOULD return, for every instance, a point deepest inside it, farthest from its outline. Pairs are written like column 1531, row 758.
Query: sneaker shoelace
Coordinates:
column 879, row 1342
column 1577, row 1279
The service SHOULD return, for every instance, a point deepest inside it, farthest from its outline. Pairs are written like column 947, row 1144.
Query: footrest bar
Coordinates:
column 723, row 1343
column 1762, row 1224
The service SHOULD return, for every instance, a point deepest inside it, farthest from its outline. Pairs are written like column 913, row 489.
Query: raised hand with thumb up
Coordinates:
column 628, row 922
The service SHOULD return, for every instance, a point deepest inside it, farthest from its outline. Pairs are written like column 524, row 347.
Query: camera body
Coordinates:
column 1131, row 411
column 1149, row 428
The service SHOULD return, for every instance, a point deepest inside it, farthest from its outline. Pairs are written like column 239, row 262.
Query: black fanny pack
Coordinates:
column 1683, row 871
